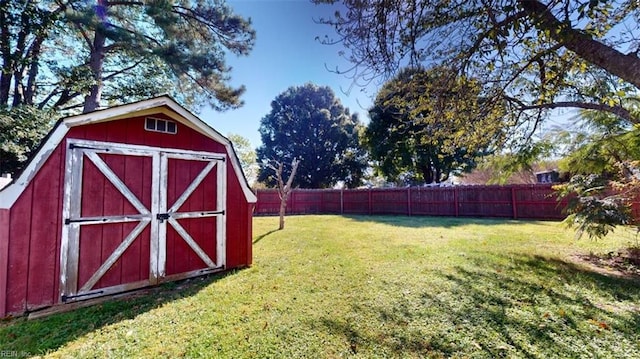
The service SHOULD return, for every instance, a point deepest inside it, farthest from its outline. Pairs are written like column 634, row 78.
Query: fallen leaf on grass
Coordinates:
column 599, row 324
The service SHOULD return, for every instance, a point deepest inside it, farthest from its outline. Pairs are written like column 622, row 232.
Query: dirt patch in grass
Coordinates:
column 624, row 263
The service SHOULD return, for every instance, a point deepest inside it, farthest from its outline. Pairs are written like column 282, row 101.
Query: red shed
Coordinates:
column 120, row 199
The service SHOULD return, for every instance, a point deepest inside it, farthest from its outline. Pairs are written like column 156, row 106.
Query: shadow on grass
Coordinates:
column 43, row 335
column 527, row 306
column 428, row 221
column 260, row 237
column 544, row 306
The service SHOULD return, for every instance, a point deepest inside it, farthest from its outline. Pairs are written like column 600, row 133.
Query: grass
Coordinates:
column 367, row 287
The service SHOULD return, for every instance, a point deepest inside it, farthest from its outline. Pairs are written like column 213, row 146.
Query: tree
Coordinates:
column 599, row 144
column 534, row 55
column 25, row 27
column 77, row 53
column 246, row 155
column 592, row 206
column 309, row 123
column 603, row 156
column 21, row 130
column 284, row 189
column 428, row 124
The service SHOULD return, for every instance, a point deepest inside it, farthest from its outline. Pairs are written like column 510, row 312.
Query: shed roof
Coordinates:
column 163, row 104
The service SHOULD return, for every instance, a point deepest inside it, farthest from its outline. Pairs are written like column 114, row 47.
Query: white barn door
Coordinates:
column 135, row 216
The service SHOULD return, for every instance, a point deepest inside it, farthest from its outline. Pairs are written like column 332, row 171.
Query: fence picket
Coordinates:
column 516, row 201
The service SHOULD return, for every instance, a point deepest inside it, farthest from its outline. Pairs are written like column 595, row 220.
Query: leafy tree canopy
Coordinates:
column 534, row 55
column 428, row 124
column 600, row 145
column 604, row 158
column 70, row 54
column 21, row 130
column 309, row 123
column 246, row 155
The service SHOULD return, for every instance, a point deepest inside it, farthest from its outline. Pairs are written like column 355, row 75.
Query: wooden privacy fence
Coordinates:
column 516, row 201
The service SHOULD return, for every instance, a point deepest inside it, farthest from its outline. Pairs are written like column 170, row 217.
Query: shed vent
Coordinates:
column 160, row 125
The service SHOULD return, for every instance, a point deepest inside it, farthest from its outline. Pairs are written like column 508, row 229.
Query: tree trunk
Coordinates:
column 427, row 173
column 5, row 85
column 626, row 67
column 92, row 100
column 96, row 60
column 35, row 51
column 17, row 89
column 283, row 210
column 20, row 55
column 284, row 189
column 7, row 63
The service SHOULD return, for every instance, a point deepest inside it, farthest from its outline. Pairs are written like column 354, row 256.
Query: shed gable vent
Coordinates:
column 160, row 125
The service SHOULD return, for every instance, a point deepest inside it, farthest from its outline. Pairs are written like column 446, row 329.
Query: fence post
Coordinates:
column 409, row 200
column 370, row 204
column 342, row 201
column 455, row 200
column 514, row 205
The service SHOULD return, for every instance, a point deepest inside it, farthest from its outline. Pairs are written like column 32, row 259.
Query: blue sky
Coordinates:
column 285, row 54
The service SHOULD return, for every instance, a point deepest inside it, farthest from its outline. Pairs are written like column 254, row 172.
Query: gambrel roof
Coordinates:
column 162, row 104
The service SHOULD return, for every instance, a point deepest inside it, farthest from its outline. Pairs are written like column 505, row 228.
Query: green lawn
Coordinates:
column 332, row 286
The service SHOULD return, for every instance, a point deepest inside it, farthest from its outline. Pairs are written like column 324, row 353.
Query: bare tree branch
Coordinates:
column 616, row 110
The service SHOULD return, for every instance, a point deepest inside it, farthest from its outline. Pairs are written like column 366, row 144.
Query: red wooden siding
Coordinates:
column 43, row 269
column 521, row 201
column 98, row 242
column 135, row 259
column 30, row 230
column 180, row 257
column 32, row 272
column 239, row 214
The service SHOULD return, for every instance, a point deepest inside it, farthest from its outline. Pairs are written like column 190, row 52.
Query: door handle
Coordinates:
column 163, row 216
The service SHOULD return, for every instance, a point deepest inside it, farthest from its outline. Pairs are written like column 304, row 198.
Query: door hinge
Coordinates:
column 85, row 147
column 212, row 212
column 81, row 220
column 163, row 216
column 66, row 298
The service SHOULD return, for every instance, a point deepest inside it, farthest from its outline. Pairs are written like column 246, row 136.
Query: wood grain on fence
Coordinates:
column 516, row 201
